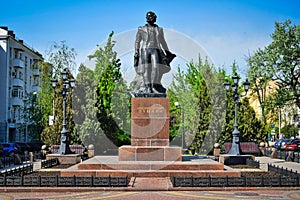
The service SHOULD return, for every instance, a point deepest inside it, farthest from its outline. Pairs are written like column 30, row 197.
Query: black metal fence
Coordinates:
column 59, row 181
column 281, row 154
column 19, row 170
column 285, row 178
column 49, row 163
column 282, row 171
column 262, row 181
column 6, row 161
column 17, row 159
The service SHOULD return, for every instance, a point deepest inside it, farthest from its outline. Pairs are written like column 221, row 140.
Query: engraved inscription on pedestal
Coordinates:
column 150, row 122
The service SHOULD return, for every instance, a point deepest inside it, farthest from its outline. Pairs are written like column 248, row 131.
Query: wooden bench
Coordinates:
column 78, row 149
column 246, row 148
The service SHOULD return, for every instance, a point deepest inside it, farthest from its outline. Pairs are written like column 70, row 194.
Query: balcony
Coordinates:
column 16, row 101
column 18, row 63
column 18, row 82
column 35, row 88
column 35, row 72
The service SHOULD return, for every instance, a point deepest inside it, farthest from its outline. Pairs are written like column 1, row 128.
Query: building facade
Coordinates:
column 288, row 114
column 19, row 81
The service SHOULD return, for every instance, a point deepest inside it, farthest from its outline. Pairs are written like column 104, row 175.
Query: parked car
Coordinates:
column 35, row 146
column 294, row 145
column 9, row 149
column 22, row 147
column 280, row 144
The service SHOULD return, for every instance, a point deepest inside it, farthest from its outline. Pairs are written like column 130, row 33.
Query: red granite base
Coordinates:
column 149, row 153
column 145, row 173
column 69, row 159
column 110, row 166
column 150, row 119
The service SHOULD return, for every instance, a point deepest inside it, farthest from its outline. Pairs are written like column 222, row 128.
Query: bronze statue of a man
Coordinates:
column 152, row 57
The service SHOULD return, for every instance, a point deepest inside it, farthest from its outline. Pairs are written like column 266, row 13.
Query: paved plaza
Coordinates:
column 274, row 194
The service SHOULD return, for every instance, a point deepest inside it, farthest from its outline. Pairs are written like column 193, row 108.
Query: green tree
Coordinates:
column 182, row 99
column 259, row 78
column 199, row 93
column 290, row 130
column 87, row 125
column 198, row 83
column 59, row 57
column 279, row 61
column 283, row 60
column 109, row 77
column 33, row 115
column 251, row 128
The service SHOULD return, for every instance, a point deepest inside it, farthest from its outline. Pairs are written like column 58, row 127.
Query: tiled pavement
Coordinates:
column 273, row 194
column 264, row 161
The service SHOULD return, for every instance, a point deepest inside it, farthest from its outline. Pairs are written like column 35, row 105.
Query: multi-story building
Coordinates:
column 287, row 114
column 19, row 79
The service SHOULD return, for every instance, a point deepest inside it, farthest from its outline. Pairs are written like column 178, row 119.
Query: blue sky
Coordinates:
column 227, row 30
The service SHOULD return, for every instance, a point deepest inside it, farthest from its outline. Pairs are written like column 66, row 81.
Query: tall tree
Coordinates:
column 259, row 78
column 283, row 59
column 198, row 83
column 59, row 57
column 109, row 77
column 199, row 90
column 84, row 99
column 251, row 128
column 182, row 109
column 279, row 61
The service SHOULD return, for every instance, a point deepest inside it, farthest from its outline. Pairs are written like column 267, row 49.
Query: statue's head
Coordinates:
column 151, row 17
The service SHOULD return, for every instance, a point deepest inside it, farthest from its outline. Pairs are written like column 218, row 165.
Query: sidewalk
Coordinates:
column 264, row 161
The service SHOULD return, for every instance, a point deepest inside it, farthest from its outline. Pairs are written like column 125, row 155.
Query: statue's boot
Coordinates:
column 148, row 88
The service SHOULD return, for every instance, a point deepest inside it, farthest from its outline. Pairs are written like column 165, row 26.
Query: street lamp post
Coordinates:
column 182, row 125
column 235, row 147
column 67, row 85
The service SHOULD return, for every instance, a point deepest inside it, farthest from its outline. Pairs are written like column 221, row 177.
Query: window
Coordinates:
column 14, row 74
column 20, row 75
column 25, row 62
column 15, row 92
column 16, row 53
column 35, row 81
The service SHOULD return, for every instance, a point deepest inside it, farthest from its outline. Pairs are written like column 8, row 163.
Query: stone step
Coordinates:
column 151, row 166
column 111, row 166
column 152, row 173
column 146, row 183
column 149, row 153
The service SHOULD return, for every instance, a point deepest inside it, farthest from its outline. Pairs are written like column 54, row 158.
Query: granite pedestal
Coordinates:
column 150, row 118
column 69, row 159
